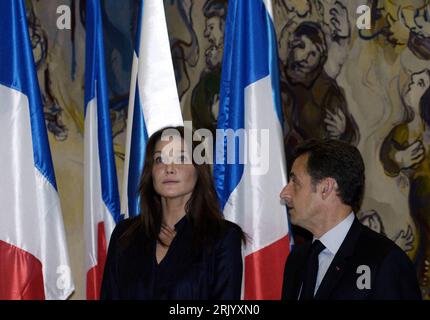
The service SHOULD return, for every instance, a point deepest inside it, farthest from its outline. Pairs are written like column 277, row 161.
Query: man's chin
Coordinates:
column 291, row 215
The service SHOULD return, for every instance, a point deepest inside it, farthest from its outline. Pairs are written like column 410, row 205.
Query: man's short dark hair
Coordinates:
column 215, row 8
column 339, row 160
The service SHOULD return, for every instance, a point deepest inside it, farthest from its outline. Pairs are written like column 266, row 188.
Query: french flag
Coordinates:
column 154, row 101
column 250, row 102
column 34, row 262
column 101, row 197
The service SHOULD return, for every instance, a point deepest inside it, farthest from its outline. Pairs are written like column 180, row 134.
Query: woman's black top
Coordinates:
column 184, row 273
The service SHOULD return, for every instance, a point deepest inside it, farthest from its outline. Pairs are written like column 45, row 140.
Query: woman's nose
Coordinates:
column 170, row 168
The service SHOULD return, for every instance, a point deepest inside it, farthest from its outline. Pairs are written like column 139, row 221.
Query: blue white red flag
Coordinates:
column 34, row 262
column 154, row 101
column 250, row 102
column 101, row 196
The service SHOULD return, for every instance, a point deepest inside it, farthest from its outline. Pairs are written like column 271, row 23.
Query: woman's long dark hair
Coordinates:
column 202, row 208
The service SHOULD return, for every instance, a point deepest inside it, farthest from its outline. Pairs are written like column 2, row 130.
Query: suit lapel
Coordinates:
column 339, row 263
column 300, row 269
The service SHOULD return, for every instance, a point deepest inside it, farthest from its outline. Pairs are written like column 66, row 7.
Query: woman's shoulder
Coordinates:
column 231, row 232
column 124, row 225
column 231, row 226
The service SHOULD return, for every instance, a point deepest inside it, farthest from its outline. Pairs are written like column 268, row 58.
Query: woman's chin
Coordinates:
column 173, row 194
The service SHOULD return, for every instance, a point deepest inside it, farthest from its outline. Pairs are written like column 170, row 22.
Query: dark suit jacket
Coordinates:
column 391, row 271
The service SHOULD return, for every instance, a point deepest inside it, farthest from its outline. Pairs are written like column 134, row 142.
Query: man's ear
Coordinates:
column 328, row 186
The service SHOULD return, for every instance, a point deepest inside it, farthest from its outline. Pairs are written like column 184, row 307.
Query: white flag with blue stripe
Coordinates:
column 250, row 102
column 101, row 197
column 154, row 101
column 34, row 262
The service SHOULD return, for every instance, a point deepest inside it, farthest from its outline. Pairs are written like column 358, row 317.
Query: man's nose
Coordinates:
column 285, row 193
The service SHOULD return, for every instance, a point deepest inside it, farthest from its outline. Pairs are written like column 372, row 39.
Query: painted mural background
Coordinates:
column 367, row 87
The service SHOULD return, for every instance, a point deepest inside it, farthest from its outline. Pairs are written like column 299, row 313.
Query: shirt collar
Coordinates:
column 333, row 238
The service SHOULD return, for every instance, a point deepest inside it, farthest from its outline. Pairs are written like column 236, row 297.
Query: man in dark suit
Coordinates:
column 345, row 259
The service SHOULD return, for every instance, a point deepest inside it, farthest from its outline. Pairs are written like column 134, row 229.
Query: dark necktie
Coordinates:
column 311, row 271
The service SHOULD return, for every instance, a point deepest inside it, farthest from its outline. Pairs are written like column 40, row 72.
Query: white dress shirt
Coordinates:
column 332, row 240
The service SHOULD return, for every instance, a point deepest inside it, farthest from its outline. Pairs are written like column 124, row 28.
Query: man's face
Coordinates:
column 304, row 59
column 300, row 195
column 214, row 31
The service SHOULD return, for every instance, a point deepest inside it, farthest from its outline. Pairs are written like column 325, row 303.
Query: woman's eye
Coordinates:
column 158, row 160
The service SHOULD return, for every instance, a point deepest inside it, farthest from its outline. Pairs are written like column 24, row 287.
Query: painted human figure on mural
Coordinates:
column 334, row 18
column 331, row 15
column 315, row 106
column 335, row 23
column 401, row 23
column 205, row 96
column 419, row 33
column 406, row 151
column 183, row 41
column 292, row 12
column 52, row 110
column 404, row 238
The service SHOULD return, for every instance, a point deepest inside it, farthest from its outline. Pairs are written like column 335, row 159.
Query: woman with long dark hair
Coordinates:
column 180, row 246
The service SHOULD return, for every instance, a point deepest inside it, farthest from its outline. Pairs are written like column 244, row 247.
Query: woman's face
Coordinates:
column 174, row 175
column 417, row 86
